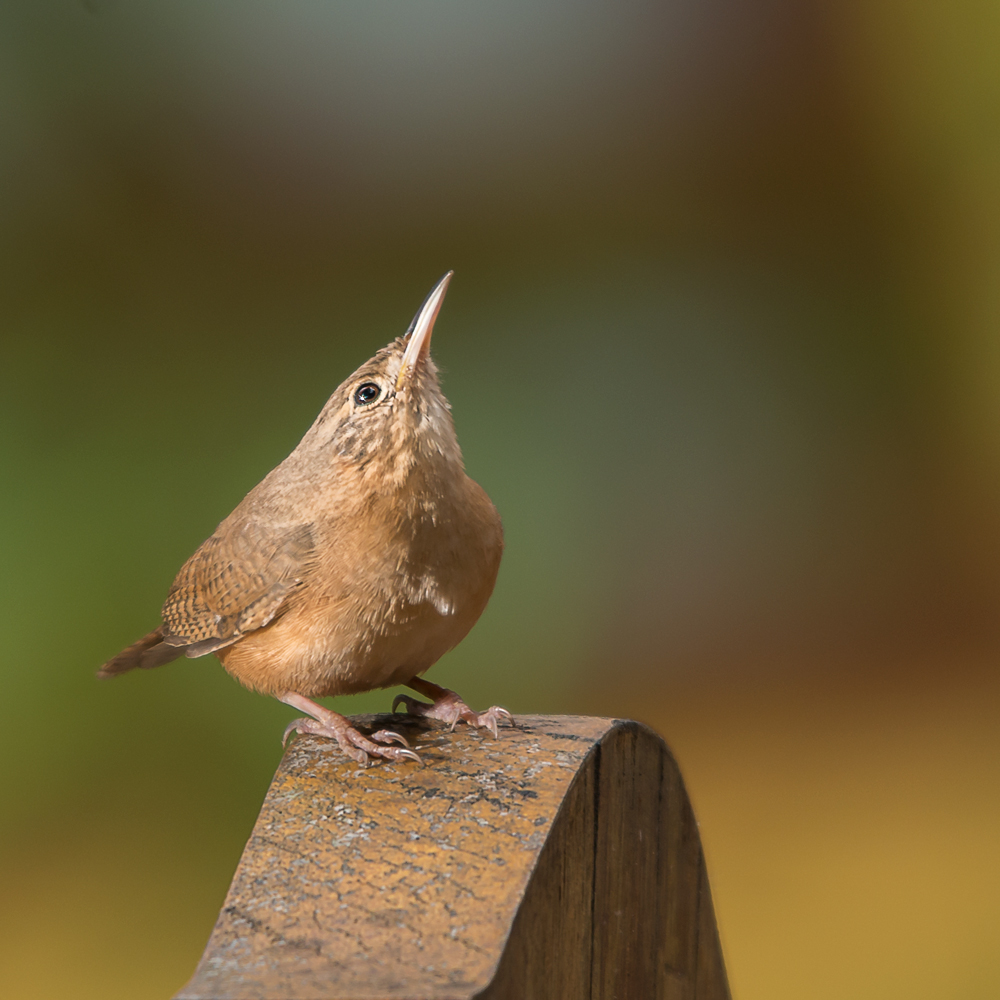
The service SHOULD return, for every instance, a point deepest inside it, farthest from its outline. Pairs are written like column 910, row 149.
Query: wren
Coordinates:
column 355, row 564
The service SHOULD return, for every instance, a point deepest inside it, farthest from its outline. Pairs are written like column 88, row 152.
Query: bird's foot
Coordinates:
column 354, row 743
column 448, row 707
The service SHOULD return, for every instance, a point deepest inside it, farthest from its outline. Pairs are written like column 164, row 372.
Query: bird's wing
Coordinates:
column 235, row 583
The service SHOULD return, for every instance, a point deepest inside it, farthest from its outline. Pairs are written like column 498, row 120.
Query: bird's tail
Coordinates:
column 150, row 651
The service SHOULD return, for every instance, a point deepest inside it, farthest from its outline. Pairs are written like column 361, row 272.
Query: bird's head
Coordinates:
column 390, row 416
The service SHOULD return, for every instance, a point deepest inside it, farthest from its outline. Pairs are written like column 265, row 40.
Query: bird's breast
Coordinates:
column 386, row 597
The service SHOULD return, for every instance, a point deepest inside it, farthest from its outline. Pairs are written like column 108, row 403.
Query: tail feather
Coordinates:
column 150, row 651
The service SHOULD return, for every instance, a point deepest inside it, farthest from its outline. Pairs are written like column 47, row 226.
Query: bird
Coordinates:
column 355, row 564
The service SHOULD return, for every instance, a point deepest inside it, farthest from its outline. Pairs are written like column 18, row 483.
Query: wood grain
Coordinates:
column 561, row 861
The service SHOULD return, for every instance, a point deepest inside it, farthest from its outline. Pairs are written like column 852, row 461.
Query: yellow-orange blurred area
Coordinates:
column 722, row 346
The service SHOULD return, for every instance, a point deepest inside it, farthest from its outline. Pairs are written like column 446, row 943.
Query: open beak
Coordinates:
column 419, row 344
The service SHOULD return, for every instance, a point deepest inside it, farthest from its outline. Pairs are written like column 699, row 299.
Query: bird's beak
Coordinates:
column 419, row 344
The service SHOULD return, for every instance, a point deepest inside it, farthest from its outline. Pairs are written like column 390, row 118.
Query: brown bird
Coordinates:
column 356, row 564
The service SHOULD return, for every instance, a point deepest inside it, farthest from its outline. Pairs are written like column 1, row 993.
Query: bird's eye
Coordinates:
column 367, row 393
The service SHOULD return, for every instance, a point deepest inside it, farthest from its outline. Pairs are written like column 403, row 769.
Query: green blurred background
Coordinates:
column 722, row 346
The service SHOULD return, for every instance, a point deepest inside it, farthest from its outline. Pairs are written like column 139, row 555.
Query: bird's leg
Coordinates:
column 448, row 707
column 354, row 744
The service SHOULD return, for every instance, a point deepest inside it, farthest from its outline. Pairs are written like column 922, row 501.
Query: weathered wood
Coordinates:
column 561, row 861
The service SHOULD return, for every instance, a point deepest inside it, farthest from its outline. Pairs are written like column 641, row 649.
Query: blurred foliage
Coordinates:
column 721, row 346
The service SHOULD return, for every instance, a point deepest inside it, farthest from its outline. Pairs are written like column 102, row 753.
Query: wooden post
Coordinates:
column 559, row 862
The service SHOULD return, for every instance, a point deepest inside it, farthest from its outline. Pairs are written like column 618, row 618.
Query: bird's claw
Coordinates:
column 409, row 702
column 491, row 718
column 388, row 736
column 489, row 721
column 357, row 746
column 452, row 709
